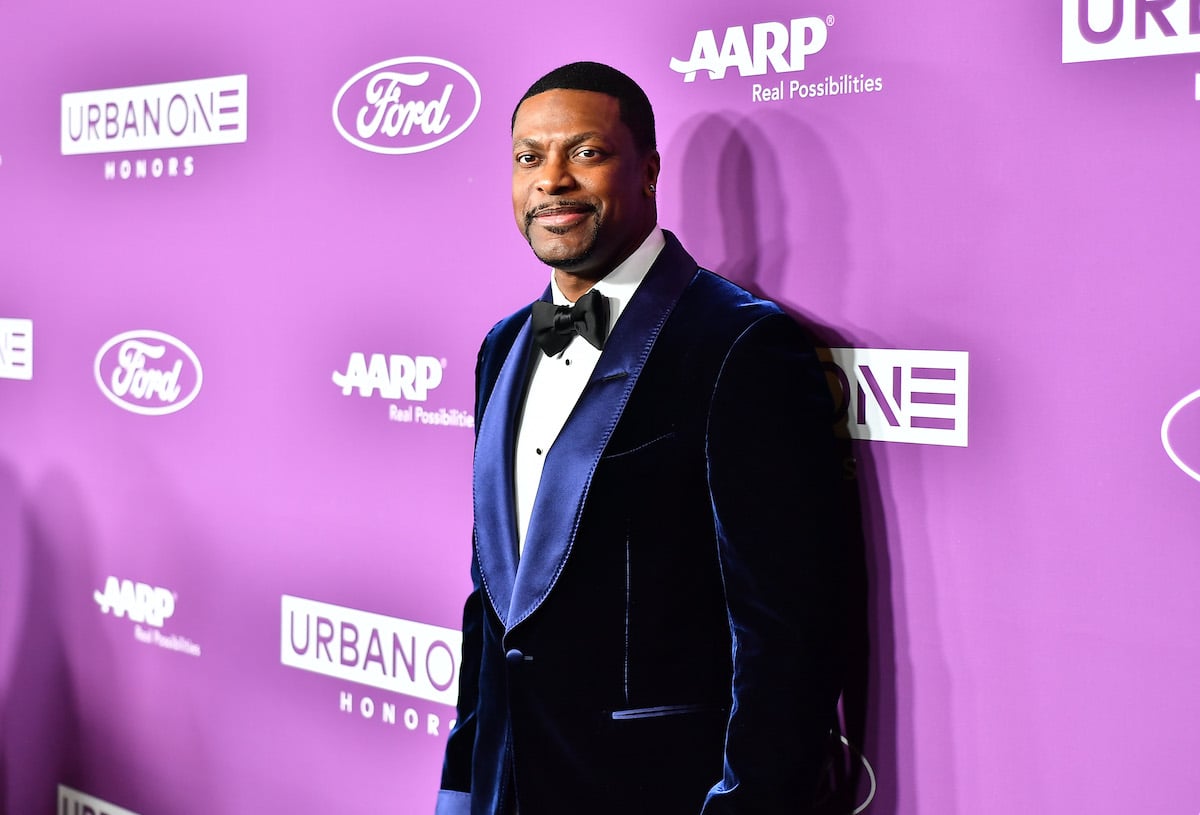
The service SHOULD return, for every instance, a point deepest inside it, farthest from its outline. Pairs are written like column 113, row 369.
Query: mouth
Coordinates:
column 559, row 215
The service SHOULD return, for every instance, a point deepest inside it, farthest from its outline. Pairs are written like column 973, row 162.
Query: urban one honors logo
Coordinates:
column 167, row 116
column 386, row 653
column 74, row 802
column 918, row 397
column 406, row 105
column 148, row 372
column 1119, row 29
column 16, row 348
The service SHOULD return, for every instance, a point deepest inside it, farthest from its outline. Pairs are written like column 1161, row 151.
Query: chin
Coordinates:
column 562, row 257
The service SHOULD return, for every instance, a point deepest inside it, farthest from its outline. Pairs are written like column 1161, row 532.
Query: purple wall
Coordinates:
column 236, row 393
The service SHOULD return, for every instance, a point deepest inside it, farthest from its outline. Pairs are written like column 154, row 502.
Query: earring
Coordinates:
column 651, row 188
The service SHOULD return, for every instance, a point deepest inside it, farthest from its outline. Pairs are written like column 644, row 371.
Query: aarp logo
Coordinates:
column 148, row 372
column 397, row 376
column 782, row 47
column 141, row 602
column 887, row 394
column 406, row 105
column 1120, row 29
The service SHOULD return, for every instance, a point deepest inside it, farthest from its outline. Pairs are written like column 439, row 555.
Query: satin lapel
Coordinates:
column 495, row 515
column 572, row 459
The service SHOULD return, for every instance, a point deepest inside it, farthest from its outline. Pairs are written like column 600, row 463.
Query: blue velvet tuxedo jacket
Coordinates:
column 668, row 643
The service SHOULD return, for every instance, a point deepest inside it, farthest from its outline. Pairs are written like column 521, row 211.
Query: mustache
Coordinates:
column 566, row 204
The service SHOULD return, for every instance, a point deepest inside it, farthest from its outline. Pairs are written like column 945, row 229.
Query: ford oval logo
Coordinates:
column 406, row 105
column 148, row 372
column 1187, row 434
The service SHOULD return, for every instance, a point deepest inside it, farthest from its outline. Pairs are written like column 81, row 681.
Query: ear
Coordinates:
column 650, row 171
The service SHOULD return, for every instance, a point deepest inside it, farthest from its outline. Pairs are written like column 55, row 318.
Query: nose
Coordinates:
column 556, row 176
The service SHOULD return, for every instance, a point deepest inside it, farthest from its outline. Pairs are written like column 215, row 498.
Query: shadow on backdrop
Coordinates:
column 43, row 738
column 767, row 232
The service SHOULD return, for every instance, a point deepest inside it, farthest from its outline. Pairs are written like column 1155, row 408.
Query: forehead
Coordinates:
column 562, row 113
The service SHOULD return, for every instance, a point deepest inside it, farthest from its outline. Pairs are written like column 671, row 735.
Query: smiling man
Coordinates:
column 657, row 571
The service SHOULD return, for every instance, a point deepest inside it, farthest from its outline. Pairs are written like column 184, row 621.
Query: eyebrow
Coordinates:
column 570, row 141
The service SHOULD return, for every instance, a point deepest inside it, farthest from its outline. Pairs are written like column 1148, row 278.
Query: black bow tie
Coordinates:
column 553, row 326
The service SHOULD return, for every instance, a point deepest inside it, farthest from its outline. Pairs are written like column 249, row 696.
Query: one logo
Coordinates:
column 141, row 602
column 16, row 348
column 406, row 657
column 782, row 48
column 919, row 397
column 406, row 105
column 1121, row 29
column 193, row 113
column 74, row 802
column 148, row 372
column 1170, row 447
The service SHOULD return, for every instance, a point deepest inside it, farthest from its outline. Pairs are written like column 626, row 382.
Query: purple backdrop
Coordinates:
column 246, row 258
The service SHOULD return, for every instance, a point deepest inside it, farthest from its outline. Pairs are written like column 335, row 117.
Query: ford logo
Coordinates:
column 406, row 105
column 148, row 372
column 1188, row 432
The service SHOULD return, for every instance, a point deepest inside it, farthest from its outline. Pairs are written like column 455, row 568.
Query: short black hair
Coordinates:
column 634, row 106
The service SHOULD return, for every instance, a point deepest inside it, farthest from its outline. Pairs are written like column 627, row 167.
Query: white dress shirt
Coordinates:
column 555, row 383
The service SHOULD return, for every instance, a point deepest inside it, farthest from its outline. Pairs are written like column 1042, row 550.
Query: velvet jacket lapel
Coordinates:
column 517, row 589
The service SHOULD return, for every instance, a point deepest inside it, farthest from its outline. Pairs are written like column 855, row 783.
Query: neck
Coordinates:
column 575, row 284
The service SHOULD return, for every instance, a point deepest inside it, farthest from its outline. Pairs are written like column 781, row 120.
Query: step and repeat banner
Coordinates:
column 248, row 252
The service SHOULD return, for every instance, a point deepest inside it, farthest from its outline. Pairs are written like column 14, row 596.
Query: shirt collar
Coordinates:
column 620, row 284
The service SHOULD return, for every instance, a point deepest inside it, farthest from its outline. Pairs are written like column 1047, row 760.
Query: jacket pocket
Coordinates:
column 640, row 447
column 658, row 711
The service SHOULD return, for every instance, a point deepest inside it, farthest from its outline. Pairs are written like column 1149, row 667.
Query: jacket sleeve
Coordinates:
column 773, row 478
column 454, row 797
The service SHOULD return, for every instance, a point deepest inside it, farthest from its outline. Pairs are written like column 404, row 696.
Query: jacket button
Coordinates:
column 514, row 656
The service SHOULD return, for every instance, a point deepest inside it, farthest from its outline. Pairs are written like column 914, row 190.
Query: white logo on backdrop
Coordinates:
column 401, row 377
column 127, row 375
column 16, row 348
column 781, row 47
column 73, row 801
column 413, row 659
column 193, row 113
column 1122, row 29
column 395, row 377
column 1165, row 433
column 141, row 602
column 144, row 604
column 406, row 105
column 919, row 397
column 170, row 115
column 774, row 48
column 389, row 653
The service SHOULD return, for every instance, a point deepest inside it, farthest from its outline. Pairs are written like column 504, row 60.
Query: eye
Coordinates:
column 587, row 153
column 525, row 159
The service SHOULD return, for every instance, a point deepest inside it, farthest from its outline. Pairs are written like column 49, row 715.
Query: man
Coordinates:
column 656, row 573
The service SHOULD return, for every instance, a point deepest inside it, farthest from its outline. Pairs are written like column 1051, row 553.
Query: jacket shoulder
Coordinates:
column 714, row 306
column 492, row 353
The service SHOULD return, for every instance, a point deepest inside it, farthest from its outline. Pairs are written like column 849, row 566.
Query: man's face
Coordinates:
column 581, row 188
